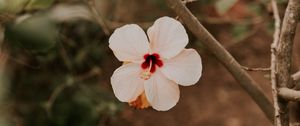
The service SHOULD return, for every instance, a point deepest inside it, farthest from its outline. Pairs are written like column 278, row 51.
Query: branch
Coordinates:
column 99, row 19
column 289, row 94
column 255, row 69
column 223, row 56
column 296, row 77
column 284, row 56
column 276, row 35
column 284, row 49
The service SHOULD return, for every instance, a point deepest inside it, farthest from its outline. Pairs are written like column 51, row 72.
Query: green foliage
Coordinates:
column 38, row 4
column 36, row 34
column 51, row 58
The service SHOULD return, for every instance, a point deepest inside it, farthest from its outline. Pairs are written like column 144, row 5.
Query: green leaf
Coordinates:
column 223, row 6
column 36, row 34
column 39, row 4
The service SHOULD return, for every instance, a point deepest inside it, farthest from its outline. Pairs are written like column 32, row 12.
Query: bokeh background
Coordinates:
column 55, row 64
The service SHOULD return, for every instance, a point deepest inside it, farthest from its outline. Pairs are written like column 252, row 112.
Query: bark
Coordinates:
column 284, row 56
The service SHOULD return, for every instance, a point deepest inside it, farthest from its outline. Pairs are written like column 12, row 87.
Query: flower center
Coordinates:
column 149, row 65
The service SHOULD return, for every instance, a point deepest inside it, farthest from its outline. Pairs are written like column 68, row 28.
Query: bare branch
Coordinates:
column 289, row 94
column 53, row 98
column 223, row 56
column 284, row 56
column 188, row 1
column 276, row 35
column 296, row 77
column 255, row 69
column 99, row 19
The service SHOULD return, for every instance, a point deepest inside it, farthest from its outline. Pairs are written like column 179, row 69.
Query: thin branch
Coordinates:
column 223, row 56
column 188, row 1
column 276, row 35
column 289, row 94
column 98, row 17
column 296, row 77
column 284, row 56
column 255, row 69
column 53, row 98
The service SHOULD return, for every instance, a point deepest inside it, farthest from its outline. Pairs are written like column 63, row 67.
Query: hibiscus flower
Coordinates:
column 154, row 66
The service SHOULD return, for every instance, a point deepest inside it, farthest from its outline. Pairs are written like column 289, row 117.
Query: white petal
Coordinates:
column 167, row 37
column 126, row 82
column 162, row 93
column 185, row 69
column 129, row 43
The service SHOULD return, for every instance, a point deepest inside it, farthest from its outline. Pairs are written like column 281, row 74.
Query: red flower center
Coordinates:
column 151, row 61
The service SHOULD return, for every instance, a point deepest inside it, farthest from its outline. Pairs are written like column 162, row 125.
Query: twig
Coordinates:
column 255, row 69
column 284, row 56
column 188, row 1
column 223, row 56
column 296, row 77
column 289, row 94
column 274, row 44
column 100, row 20
column 53, row 97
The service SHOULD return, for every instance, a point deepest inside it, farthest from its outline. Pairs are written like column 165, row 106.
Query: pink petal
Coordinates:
column 162, row 93
column 185, row 69
column 129, row 43
column 126, row 82
column 167, row 37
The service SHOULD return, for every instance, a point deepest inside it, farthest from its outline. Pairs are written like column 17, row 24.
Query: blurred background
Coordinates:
column 55, row 64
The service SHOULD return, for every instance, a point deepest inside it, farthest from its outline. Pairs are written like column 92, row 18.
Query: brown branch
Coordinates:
column 53, row 97
column 276, row 35
column 223, row 56
column 255, row 69
column 296, row 77
column 188, row 1
column 289, row 94
column 99, row 19
column 284, row 56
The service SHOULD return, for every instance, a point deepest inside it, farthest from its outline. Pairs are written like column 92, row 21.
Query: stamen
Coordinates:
column 147, row 74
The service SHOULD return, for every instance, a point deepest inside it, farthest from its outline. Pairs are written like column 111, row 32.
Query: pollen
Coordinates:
column 145, row 75
column 141, row 102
